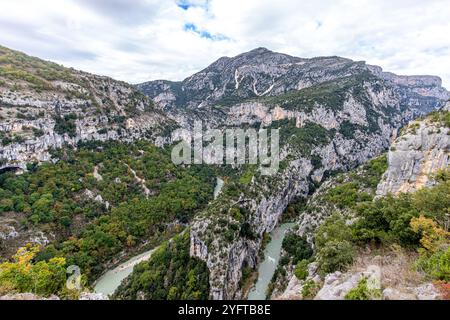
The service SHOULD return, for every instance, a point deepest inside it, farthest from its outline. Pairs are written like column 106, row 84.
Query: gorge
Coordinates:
column 118, row 192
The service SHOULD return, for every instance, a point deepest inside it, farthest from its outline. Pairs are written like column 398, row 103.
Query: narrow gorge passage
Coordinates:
column 267, row 268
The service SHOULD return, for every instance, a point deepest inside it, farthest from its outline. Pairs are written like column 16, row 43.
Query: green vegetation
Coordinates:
column 413, row 220
column 348, row 129
column 360, row 186
column 297, row 247
column 7, row 139
column 42, row 278
column 442, row 117
column 334, row 248
column 309, row 289
column 66, row 124
column 417, row 220
column 347, row 195
column 435, row 251
column 16, row 74
column 53, row 197
column 16, row 66
column 362, row 292
column 38, row 132
column 330, row 94
column 388, row 219
column 301, row 270
column 334, row 245
column 248, row 174
column 171, row 274
column 305, row 138
column 335, row 256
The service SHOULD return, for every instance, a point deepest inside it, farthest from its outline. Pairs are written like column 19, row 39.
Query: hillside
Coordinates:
column 400, row 240
column 44, row 105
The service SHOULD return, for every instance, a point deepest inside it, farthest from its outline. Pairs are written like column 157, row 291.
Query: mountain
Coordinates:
column 261, row 73
column 44, row 105
column 99, row 185
column 333, row 114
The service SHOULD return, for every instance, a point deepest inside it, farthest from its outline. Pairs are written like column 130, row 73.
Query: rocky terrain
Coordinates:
column 389, row 273
column 352, row 111
column 415, row 157
column 334, row 114
column 45, row 106
column 422, row 149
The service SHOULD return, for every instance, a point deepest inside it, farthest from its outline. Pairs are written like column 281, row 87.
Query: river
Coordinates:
column 267, row 268
column 111, row 280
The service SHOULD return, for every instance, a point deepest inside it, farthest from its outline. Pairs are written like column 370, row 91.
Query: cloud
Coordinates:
column 124, row 11
column 171, row 39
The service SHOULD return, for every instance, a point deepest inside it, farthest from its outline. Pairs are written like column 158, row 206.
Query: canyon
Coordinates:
column 334, row 115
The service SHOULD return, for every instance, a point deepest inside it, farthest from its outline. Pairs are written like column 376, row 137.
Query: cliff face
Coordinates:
column 44, row 106
column 355, row 109
column 421, row 150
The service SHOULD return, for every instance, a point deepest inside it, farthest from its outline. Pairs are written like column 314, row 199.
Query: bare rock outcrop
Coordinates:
column 422, row 150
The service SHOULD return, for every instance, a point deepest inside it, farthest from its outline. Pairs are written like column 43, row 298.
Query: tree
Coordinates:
column 335, row 256
column 22, row 275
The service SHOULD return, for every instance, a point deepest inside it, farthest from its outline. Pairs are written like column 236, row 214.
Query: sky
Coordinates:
column 142, row 40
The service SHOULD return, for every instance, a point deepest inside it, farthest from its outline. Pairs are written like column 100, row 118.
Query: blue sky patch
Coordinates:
column 186, row 4
column 203, row 33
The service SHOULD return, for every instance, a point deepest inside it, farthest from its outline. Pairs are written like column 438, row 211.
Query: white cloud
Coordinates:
column 144, row 40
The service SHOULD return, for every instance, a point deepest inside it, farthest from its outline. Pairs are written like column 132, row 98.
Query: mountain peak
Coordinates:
column 259, row 50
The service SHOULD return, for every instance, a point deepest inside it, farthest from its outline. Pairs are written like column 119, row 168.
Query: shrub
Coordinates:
column 66, row 124
column 309, row 289
column 6, row 205
column 297, row 247
column 362, row 292
column 335, row 256
column 334, row 228
column 301, row 270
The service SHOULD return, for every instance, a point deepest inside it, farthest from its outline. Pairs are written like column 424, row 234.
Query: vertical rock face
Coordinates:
column 421, row 150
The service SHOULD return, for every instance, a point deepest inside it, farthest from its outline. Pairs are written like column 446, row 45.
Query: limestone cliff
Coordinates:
column 422, row 149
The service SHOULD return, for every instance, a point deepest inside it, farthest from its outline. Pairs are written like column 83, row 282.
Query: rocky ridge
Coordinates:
column 45, row 106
